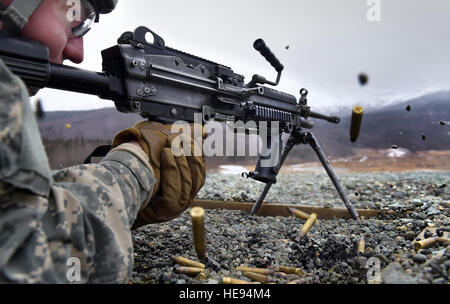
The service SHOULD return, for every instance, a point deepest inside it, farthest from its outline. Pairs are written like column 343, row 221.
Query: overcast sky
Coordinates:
column 405, row 54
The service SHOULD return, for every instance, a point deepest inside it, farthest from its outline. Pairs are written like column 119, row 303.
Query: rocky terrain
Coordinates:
column 411, row 202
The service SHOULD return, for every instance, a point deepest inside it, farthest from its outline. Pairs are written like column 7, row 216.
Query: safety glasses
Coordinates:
column 88, row 15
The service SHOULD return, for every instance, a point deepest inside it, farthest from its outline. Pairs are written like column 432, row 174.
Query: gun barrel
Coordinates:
column 329, row 118
column 77, row 80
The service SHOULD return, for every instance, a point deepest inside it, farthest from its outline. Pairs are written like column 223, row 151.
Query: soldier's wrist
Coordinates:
column 134, row 142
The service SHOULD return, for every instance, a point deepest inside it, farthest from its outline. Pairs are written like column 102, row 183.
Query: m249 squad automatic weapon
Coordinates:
column 164, row 84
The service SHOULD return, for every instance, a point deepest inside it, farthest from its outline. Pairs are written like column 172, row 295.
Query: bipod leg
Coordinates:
column 287, row 148
column 337, row 184
column 261, row 198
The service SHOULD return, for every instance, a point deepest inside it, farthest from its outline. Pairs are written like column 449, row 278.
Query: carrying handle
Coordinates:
column 261, row 47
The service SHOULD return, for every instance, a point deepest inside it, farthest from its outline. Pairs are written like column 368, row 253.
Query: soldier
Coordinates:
column 83, row 213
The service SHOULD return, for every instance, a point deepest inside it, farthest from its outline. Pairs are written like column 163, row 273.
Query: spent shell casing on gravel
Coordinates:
column 291, row 270
column 355, row 125
column 258, row 277
column 425, row 243
column 279, row 274
column 361, row 245
column 429, row 242
column 255, row 270
column 190, row 271
column 308, row 224
column 298, row 281
column 227, row 280
column 198, row 229
column 298, row 213
column 203, row 275
column 187, row 262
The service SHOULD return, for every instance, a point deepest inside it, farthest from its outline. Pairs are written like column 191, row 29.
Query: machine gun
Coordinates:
column 164, row 84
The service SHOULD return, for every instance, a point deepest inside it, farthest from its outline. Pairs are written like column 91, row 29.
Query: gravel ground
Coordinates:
column 329, row 252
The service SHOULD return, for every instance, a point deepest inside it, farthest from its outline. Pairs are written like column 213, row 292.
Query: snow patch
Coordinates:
column 232, row 169
column 395, row 153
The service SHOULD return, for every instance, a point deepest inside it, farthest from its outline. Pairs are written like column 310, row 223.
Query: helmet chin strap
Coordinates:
column 17, row 14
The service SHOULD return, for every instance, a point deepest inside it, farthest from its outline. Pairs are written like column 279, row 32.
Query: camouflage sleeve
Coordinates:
column 74, row 225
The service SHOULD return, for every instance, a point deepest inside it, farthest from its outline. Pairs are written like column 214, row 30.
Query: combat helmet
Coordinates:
column 15, row 16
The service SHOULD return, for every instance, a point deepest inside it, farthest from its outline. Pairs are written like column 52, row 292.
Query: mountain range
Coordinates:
column 418, row 124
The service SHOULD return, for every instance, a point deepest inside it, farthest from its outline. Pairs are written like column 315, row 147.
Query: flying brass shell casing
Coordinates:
column 355, row 125
column 227, row 280
column 308, row 224
column 190, row 271
column 255, row 270
column 198, row 229
column 258, row 277
column 361, row 245
column 187, row 262
column 291, row 270
column 298, row 213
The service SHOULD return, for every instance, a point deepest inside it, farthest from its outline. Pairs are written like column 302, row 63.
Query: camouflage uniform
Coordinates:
column 47, row 218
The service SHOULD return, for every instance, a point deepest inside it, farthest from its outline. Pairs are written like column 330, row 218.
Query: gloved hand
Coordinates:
column 178, row 177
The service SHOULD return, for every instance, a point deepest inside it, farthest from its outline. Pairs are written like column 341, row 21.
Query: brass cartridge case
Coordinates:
column 361, row 245
column 187, row 262
column 190, row 271
column 255, row 270
column 429, row 242
column 203, row 275
column 425, row 243
column 298, row 281
column 308, row 224
column 279, row 274
column 227, row 280
column 298, row 213
column 258, row 277
column 198, row 229
column 355, row 125
column 291, row 270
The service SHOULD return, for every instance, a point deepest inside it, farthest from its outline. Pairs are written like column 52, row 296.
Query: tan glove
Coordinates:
column 178, row 178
